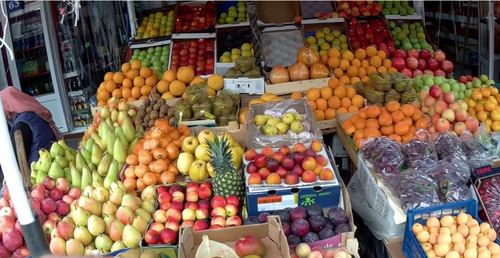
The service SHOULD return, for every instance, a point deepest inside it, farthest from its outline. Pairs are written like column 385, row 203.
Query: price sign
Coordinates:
column 13, row 6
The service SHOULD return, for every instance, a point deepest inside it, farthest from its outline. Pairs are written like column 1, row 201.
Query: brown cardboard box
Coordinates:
column 271, row 233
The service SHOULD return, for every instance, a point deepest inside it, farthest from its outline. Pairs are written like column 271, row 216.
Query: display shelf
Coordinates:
column 323, row 21
column 75, row 93
column 205, row 35
column 404, row 17
column 150, row 43
column 29, row 49
column 36, row 75
column 233, row 25
column 71, row 74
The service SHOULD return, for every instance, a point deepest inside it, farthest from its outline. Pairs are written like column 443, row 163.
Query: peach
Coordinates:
column 429, row 101
column 321, row 160
column 281, row 171
column 426, row 247
column 264, row 173
column 454, row 106
column 218, row 201
column 461, row 115
column 204, row 193
column 422, row 236
column 459, row 247
column 316, row 146
column 187, row 223
column 417, row 227
column 191, row 196
column 433, row 237
column 250, row 155
column 231, row 210
column 218, row 211
column 157, row 226
column 285, row 150
column 152, row 237
column 164, row 197
column 178, row 196
column 449, row 115
column 273, row 179
column 260, row 160
column 299, row 147
column 326, row 175
column 318, row 169
column 472, row 124
column 309, row 163
column 233, row 221
column 440, row 106
column 278, row 156
column 448, row 97
column 177, row 206
column 459, row 128
column 308, row 176
column 201, row 213
column 192, row 187
column 200, row 225
column 218, row 220
column 160, row 216
column 191, row 205
column 291, row 179
column 435, row 118
column 173, row 214
column 442, row 125
column 173, row 225
column 267, row 151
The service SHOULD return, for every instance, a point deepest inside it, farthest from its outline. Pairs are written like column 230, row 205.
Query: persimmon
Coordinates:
column 175, row 135
column 140, row 185
column 372, row 123
column 151, row 144
column 164, row 142
column 417, row 115
column 140, row 170
column 401, row 128
column 373, row 111
column 129, row 172
column 354, row 118
column 177, row 143
column 407, row 137
column 371, row 132
column 130, row 184
column 172, row 168
column 173, row 151
column 145, row 157
column 360, row 134
column 159, row 166
column 162, row 124
column 132, row 160
column 167, row 177
column 385, row 119
column 159, row 153
column 397, row 116
column 157, row 133
column 408, row 120
column 147, row 135
column 408, row 110
column 149, row 178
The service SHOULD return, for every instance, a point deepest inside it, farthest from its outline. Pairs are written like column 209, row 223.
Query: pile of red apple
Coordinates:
column 287, row 165
column 195, row 18
column 193, row 206
column 414, row 63
column 50, row 201
column 372, row 32
column 359, row 8
column 196, row 54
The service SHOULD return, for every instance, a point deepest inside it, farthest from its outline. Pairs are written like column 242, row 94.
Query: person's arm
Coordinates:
column 27, row 137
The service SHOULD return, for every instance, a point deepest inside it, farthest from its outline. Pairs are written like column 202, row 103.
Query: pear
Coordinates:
column 109, row 208
column 96, row 225
column 88, row 191
column 269, row 130
column 259, row 120
column 96, row 179
column 63, row 144
column 62, row 161
column 103, row 130
column 92, row 206
column 110, row 141
column 105, row 113
column 298, row 117
column 107, row 220
column 128, row 129
column 89, row 251
column 103, row 242
column 90, row 142
column 101, row 194
column 112, row 174
column 282, row 127
column 117, row 185
column 45, row 161
column 297, row 127
column 76, row 177
column 40, row 176
column 69, row 155
column 79, row 162
column 86, row 154
column 119, row 151
column 67, row 175
column 96, row 154
column 116, row 230
column 121, row 116
column 273, row 121
column 131, row 236
column 103, row 166
column 288, row 118
column 56, row 150
column 74, row 247
column 120, row 134
column 110, row 123
column 132, row 145
column 145, row 215
column 113, row 117
column 55, row 171
column 96, row 139
column 83, row 235
column 118, row 245
column 80, row 216
column 140, row 224
column 116, row 197
column 86, row 177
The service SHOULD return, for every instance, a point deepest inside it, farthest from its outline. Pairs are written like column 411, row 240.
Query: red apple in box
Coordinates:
column 422, row 64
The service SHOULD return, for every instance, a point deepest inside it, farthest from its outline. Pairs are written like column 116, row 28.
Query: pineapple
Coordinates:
column 228, row 180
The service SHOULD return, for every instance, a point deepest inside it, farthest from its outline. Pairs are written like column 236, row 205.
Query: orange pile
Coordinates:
column 132, row 83
column 153, row 159
column 351, row 67
column 395, row 121
column 334, row 97
column 173, row 84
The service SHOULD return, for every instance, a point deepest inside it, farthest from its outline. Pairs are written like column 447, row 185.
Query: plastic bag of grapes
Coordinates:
column 489, row 192
column 384, row 154
column 451, row 178
column 420, row 153
column 488, row 141
column 448, row 146
column 415, row 189
column 476, row 154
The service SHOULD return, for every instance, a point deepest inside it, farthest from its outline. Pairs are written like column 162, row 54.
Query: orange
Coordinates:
column 392, row 69
column 320, row 116
column 117, row 93
column 321, row 104
column 364, row 64
column 360, row 134
column 358, row 101
column 354, row 118
column 132, row 73
column 340, row 92
column 387, row 63
column 371, row 51
column 395, row 137
column 138, row 81
column 140, row 184
column 296, row 95
column 362, row 113
column 354, row 80
column 108, row 76
column 356, row 63
column 373, row 111
column 313, row 94
column 333, row 83
column 408, row 110
column 371, row 132
column 103, row 95
column 397, row 116
column 348, row 55
column 136, row 64
column 360, row 54
column 352, row 109
column 344, row 64
column 333, row 52
column 129, row 183
column 375, row 61
column 352, row 71
column 407, row 137
column 324, row 59
column 387, row 130
column 382, row 55
column 132, row 160
column 127, row 83
column 145, row 72
column 421, row 124
column 392, row 106
column 382, row 69
column 151, row 80
column 361, row 72
column 401, row 128
column 417, row 115
column 408, row 121
column 330, row 114
column 163, row 86
column 346, row 123
column 177, row 88
column 370, row 70
column 334, row 102
column 167, row 177
column 344, row 79
column 110, row 86
column 126, row 93
column 185, row 74
column 365, row 78
column 350, row 92
column 136, row 92
column 350, row 129
column 326, row 92
column 385, row 119
column 118, row 77
column 342, row 110
column 345, row 102
column 312, row 104
column 126, row 67
column 149, row 178
column 372, row 123
column 169, row 76
column 360, row 124
column 337, row 72
column 146, row 90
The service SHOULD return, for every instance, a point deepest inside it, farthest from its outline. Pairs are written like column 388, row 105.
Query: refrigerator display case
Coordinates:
column 36, row 68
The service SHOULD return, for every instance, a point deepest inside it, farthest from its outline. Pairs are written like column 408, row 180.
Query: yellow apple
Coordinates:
column 201, row 152
column 205, row 135
column 184, row 162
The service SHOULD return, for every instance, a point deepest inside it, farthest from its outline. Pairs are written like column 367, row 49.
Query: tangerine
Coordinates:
column 334, row 102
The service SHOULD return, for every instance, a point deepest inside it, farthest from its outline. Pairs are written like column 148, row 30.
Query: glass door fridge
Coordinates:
column 36, row 68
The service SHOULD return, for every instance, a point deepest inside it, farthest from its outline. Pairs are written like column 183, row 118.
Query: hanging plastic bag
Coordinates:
column 476, row 154
column 452, row 178
column 448, row 147
column 210, row 249
column 420, row 152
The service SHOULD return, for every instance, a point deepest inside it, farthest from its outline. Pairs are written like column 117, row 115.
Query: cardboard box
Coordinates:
column 267, row 14
column 281, row 44
column 271, row 234
column 256, row 140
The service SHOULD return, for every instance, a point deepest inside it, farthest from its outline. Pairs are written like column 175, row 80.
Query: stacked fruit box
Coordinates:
column 156, row 25
column 195, row 17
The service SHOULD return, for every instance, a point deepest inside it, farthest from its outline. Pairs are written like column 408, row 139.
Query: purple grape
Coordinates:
column 385, row 155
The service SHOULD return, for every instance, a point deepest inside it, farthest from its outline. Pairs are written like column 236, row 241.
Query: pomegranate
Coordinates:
column 249, row 245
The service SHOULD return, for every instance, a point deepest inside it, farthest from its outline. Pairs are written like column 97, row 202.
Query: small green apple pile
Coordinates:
column 323, row 40
column 245, row 50
column 235, row 14
column 156, row 58
column 396, row 8
column 409, row 36
column 276, row 125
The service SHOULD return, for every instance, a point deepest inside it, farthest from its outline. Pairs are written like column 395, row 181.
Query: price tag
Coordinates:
column 245, row 85
column 273, row 203
column 13, row 6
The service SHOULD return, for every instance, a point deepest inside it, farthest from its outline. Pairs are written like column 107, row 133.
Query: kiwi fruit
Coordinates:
column 163, row 108
column 162, row 101
column 141, row 113
column 156, row 97
column 151, row 123
column 132, row 253
column 153, row 115
column 156, row 107
column 149, row 109
column 146, row 102
column 170, row 112
column 172, row 121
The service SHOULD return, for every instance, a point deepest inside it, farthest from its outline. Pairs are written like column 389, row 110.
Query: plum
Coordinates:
column 293, row 240
column 286, row 228
column 314, row 210
column 326, row 233
column 310, row 237
column 300, row 227
column 283, row 214
column 263, row 217
column 328, row 224
column 251, row 221
column 336, row 216
column 317, row 223
column 342, row 228
column 298, row 213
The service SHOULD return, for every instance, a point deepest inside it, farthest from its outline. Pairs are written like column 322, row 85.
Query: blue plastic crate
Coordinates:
column 411, row 247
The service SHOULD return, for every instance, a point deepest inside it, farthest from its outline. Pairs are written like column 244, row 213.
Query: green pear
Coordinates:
column 56, row 150
column 110, row 141
column 40, row 176
column 90, row 142
column 45, row 160
column 269, row 130
column 105, row 113
column 128, row 129
column 260, row 120
column 62, row 161
column 288, row 118
column 120, row 151
column 121, row 116
column 132, row 145
column 118, row 245
column 79, row 162
column 103, row 167
column 96, row 154
column 76, row 177
column 86, row 177
column 55, row 171
column 113, row 174
column 95, row 139
column 297, row 127
column 69, row 155
column 96, row 225
column 298, row 117
column 86, row 155
column 282, row 127
column 67, row 175
column 96, row 179
column 273, row 121
column 131, row 236
column 63, row 144
column 103, row 242
column 120, row 134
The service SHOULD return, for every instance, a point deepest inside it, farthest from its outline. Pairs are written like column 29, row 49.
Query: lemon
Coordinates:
column 236, row 51
column 233, row 57
column 325, row 46
column 246, row 53
column 343, row 38
column 246, row 46
column 320, row 34
column 225, row 59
